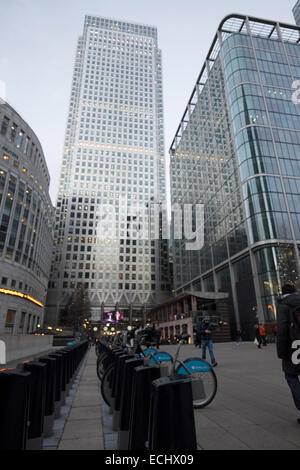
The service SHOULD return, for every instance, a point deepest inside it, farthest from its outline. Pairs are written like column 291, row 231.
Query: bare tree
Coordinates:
column 78, row 310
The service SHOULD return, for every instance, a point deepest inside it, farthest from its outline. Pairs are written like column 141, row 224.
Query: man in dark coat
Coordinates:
column 206, row 330
column 289, row 300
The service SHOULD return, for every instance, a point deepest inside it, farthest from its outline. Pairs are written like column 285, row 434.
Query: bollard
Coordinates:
column 125, row 402
column 58, row 384
column 50, row 394
column 172, row 421
column 119, row 381
column 143, row 377
column 37, row 404
column 14, row 409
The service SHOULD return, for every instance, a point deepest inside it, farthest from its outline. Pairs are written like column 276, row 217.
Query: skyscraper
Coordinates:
column 296, row 12
column 236, row 152
column 114, row 159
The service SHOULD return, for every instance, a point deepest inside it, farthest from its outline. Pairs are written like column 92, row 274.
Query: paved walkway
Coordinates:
column 253, row 408
column 83, row 427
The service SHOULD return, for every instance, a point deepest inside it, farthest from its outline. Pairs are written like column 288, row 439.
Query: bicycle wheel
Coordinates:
column 204, row 381
column 98, row 350
column 105, row 385
column 101, row 365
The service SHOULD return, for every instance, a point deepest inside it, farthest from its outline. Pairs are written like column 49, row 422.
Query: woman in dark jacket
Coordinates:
column 257, row 336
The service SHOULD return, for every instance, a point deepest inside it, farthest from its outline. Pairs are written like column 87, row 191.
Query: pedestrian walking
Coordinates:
column 258, row 340
column 131, row 336
column 263, row 335
column 206, row 330
column 288, row 322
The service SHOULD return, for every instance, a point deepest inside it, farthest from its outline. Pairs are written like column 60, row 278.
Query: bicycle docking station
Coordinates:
column 152, row 403
column 130, row 388
column 31, row 396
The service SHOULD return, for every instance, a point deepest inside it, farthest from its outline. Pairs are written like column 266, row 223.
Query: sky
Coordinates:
column 37, row 49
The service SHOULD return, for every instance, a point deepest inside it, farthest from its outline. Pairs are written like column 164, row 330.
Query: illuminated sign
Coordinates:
column 21, row 295
column 112, row 316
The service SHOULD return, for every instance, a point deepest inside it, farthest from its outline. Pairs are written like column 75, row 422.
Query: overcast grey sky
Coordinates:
column 37, row 49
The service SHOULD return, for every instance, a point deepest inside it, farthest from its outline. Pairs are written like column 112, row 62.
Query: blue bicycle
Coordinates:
column 204, row 379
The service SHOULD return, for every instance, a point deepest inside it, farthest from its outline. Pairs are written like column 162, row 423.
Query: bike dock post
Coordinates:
column 140, row 406
column 126, row 402
column 37, row 403
column 50, row 394
column 118, row 388
column 172, row 421
column 14, row 409
column 58, row 384
column 115, row 355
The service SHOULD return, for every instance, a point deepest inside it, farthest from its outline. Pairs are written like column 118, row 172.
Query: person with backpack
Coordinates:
column 206, row 331
column 288, row 333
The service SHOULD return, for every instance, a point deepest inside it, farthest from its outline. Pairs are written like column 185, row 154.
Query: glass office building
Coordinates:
column 296, row 12
column 113, row 157
column 237, row 152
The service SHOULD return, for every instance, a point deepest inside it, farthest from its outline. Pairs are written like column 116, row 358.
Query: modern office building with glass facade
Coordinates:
column 296, row 12
column 113, row 157
column 26, row 216
column 237, row 152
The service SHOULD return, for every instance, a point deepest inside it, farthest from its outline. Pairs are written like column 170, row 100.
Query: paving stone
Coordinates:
column 81, row 444
column 84, row 413
column 257, row 438
column 74, row 429
column 219, row 438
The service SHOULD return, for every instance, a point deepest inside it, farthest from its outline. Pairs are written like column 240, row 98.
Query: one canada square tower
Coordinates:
column 113, row 158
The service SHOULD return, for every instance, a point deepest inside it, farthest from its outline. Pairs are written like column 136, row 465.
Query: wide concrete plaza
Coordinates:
column 253, row 408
